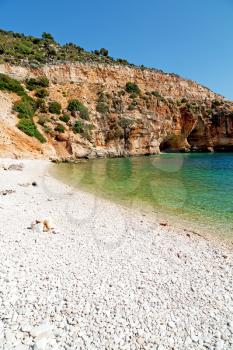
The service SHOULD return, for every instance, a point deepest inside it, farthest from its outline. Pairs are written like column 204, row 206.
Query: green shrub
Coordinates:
column 55, row 107
column 47, row 36
column 40, row 57
column 78, row 127
column 47, row 129
column 132, row 88
column 65, row 118
column 184, row 100
column 103, row 52
column 102, row 107
column 84, row 130
column 41, row 93
column 43, row 82
column 29, row 128
column 76, row 105
column 25, row 108
column 87, row 131
column 209, row 111
column 30, row 100
column 73, row 105
column 24, row 48
column 156, row 94
column 132, row 106
column 122, row 61
column 12, row 85
column 190, row 107
column 33, row 83
column 42, row 120
column 125, row 122
column 133, row 95
column 41, row 105
column 216, row 103
column 59, row 128
column 118, row 132
column 115, row 133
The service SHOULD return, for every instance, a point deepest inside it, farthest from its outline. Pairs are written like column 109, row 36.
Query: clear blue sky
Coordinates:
column 193, row 38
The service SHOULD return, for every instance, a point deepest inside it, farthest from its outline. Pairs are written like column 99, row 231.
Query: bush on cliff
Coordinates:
column 24, row 48
column 132, row 88
column 78, row 127
column 103, row 52
column 28, row 127
column 12, row 85
column 216, row 103
column 65, row 118
column 84, row 130
column 41, row 92
column 116, row 133
column 156, row 94
column 87, row 131
column 47, row 36
column 41, row 105
column 32, row 83
column 76, row 105
column 55, row 107
column 26, row 107
column 60, row 128
column 132, row 106
column 125, row 123
column 43, row 119
column 102, row 107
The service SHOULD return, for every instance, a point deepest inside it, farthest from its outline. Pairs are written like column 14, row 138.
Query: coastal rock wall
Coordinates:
column 169, row 113
column 111, row 77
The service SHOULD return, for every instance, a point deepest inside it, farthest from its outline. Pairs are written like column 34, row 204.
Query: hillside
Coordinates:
column 19, row 49
column 89, row 105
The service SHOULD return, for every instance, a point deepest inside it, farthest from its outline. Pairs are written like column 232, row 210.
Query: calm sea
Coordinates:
column 193, row 190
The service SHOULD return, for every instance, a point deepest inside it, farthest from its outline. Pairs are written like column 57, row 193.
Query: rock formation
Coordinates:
column 164, row 113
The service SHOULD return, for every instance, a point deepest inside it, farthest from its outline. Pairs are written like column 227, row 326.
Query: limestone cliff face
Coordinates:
column 169, row 113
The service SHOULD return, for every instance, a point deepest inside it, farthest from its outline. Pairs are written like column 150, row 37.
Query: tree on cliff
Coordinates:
column 101, row 52
column 47, row 36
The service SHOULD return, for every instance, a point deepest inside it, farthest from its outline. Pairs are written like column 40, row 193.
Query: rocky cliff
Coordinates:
column 121, row 111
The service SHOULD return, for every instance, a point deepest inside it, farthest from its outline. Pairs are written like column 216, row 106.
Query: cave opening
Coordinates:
column 167, row 146
column 193, row 138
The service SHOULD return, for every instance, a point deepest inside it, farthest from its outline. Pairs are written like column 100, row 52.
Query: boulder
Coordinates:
column 62, row 137
column 48, row 225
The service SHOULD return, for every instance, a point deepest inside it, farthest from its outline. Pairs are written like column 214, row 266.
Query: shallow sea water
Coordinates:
column 192, row 190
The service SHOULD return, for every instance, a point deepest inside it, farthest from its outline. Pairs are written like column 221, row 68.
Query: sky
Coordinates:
column 192, row 38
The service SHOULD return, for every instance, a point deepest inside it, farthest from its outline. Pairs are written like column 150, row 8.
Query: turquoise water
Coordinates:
column 194, row 190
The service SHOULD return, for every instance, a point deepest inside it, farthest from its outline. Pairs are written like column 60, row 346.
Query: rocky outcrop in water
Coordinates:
column 155, row 112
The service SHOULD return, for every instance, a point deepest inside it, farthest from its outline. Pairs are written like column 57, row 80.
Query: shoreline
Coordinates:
column 110, row 277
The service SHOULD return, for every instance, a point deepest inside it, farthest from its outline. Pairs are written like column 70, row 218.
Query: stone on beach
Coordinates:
column 44, row 330
column 42, row 225
column 17, row 167
column 48, row 225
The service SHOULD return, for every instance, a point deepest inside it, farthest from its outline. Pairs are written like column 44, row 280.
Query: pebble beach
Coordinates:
column 103, row 276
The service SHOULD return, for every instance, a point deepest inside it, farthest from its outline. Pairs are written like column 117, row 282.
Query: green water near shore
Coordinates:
column 195, row 190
